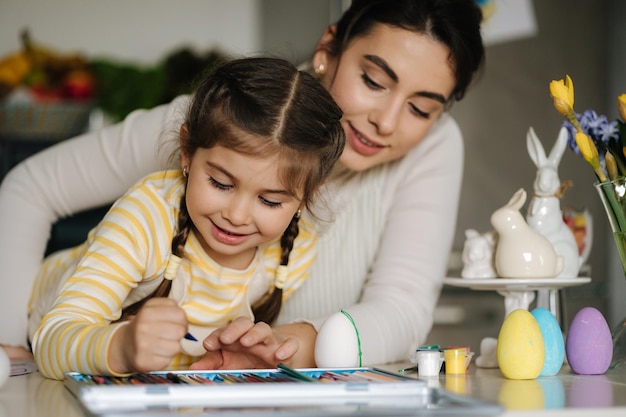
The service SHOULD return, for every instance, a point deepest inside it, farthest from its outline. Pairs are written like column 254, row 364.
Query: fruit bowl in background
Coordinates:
column 45, row 95
column 44, row 120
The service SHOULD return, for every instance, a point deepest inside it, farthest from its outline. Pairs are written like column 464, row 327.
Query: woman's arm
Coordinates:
column 383, row 256
column 395, row 312
column 85, row 172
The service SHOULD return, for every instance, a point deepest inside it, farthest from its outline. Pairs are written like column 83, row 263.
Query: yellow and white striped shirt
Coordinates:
column 80, row 291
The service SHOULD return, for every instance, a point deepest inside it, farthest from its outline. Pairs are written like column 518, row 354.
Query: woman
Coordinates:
column 394, row 68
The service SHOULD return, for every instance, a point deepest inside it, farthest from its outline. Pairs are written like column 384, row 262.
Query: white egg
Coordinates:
column 337, row 343
column 5, row 367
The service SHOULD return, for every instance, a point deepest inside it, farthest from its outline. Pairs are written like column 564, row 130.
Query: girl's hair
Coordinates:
column 454, row 23
column 263, row 107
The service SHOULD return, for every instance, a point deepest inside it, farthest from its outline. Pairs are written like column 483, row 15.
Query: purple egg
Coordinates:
column 589, row 346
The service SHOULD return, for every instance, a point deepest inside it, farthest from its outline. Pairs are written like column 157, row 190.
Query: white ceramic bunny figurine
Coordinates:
column 477, row 255
column 522, row 252
column 544, row 210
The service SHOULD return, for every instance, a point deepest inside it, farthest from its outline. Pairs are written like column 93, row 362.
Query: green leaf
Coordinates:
column 122, row 88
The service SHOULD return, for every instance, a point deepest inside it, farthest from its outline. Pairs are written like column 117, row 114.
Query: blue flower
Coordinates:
column 602, row 132
column 598, row 127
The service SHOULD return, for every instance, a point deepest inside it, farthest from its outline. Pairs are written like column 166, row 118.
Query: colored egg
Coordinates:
column 337, row 343
column 589, row 345
column 553, row 342
column 520, row 350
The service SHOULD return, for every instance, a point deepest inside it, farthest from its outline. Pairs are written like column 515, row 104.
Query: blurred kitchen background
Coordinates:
column 544, row 41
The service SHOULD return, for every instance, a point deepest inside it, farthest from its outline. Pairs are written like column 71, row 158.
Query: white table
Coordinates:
column 565, row 394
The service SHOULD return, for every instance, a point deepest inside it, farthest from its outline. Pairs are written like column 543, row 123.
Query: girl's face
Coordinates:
column 392, row 85
column 236, row 203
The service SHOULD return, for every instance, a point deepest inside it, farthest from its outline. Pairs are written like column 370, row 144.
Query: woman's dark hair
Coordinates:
column 454, row 23
column 264, row 107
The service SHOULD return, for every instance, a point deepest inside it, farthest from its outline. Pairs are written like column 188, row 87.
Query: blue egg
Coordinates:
column 552, row 340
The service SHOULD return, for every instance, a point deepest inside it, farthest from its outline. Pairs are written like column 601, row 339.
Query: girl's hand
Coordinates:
column 17, row 353
column 244, row 344
column 151, row 339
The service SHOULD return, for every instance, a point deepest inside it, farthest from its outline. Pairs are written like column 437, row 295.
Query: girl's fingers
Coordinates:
column 210, row 360
column 287, row 349
column 235, row 330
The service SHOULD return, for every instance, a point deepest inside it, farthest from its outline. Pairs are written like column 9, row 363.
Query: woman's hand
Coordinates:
column 244, row 344
column 151, row 339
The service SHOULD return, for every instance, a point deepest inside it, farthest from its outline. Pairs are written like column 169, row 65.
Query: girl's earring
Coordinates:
column 298, row 213
column 320, row 69
column 185, row 172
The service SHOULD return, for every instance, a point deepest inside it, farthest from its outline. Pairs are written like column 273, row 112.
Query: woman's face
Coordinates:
column 392, row 86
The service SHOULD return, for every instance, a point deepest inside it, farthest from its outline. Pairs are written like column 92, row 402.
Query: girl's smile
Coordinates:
column 228, row 238
column 236, row 203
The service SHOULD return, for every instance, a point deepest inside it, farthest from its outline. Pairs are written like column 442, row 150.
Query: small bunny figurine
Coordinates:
column 522, row 252
column 544, row 210
column 477, row 254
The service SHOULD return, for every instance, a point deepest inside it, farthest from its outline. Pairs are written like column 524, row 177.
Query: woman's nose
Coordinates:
column 386, row 116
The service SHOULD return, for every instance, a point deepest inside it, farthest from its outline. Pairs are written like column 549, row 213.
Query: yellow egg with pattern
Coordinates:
column 520, row 350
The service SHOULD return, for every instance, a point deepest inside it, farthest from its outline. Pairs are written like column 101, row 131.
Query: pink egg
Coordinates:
column 589, row 346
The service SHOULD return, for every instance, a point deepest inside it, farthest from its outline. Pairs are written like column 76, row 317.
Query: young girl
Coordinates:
column 186, row 251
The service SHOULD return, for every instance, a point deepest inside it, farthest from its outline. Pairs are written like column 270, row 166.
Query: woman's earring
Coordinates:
column 185, row 172
column 320, row 69
column 298, row 213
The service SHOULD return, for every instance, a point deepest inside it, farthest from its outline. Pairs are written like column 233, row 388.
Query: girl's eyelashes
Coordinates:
column 218, row 184
column 225, row 187
column 269, row 203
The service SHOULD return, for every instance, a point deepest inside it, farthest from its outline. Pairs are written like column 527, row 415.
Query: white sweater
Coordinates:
column 382, row 257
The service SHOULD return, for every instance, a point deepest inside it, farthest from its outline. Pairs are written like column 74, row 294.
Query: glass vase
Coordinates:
column 613, row 196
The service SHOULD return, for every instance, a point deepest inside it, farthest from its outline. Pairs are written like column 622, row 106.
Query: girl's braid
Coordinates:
column 178, row 245
column 268, row 308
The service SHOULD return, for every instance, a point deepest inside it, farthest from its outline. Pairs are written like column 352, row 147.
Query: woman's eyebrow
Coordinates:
column 382, row 64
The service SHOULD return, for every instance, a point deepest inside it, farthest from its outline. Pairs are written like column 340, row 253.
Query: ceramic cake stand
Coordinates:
column 518, row 293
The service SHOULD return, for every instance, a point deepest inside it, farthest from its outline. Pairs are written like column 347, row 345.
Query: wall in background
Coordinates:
column 140, row 31
column 291, row 28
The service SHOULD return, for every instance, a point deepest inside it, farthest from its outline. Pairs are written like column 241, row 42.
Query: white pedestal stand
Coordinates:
column 519, row 293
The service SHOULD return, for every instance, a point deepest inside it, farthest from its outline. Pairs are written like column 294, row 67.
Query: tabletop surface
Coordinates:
column 566, row 394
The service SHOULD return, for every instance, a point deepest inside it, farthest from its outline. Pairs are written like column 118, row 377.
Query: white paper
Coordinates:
column 508, row 20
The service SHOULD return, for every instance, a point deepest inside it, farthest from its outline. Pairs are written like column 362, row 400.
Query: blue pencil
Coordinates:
column 189, row 336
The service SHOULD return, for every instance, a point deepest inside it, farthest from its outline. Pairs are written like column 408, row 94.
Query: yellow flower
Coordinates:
column 589, row 151
column 562, row 93
column 621, row 106
column 611, row 165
